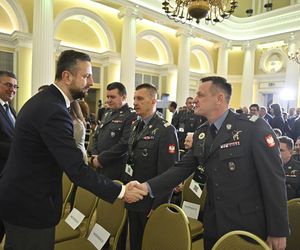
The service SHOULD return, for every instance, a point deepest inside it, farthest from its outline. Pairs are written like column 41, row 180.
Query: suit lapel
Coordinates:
column 6, row 117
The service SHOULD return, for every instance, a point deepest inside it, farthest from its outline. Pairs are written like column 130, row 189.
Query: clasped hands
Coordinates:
column 135, row 191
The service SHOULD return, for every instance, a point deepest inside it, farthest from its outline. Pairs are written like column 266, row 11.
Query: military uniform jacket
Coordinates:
column 186, row 121
column 110, row 141
column 292, row 174
column 152, row 151
column 245, row 178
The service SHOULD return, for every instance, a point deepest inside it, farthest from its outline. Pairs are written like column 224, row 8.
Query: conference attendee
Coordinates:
column 264, row 114
column 254, row 109
column 110, row 142
column 296, row 153
column 241, row 160
column 43, row 148
column 277, row 120
column 153, row 148
column 8, row 90
column 291, row 167
column 186, row 121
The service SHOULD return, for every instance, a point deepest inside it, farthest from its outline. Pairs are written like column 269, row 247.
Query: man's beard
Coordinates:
column 77, row 94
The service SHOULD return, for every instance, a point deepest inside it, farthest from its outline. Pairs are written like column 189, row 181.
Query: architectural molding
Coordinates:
column 207, row 55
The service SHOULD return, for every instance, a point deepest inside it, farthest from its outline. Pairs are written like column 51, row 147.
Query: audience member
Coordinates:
column 277, row 119
column 254, row 109
column 263, row 114
column 291, row 167
column 296, row 154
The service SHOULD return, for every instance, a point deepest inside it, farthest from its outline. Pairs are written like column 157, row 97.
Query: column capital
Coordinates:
column 249, row 45
column 108, row 57
column 21, row 39
column 184, row 32
column 129, row 12
column 224, row 45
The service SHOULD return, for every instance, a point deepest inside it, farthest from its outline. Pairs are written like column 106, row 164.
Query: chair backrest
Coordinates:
column 85, row 201
column 167, row 228
column 112, row 218
column 294, row 221
column 237, row 240
column 67, row 187
column 190, row 196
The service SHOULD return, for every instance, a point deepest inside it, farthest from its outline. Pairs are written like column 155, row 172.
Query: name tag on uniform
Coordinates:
column 129, row 170
column 98, row 236
column 74, row 218
column 194, row 186
column 191, row 209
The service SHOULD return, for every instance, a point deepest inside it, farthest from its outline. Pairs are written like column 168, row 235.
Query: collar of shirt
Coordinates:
column 64, row 95
column 218, row 123
column 147, row 120
column 3, row 102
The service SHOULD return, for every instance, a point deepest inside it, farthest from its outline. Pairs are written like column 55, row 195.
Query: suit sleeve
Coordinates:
column 121, row 148
column 95, row 142
column 57, row 134
column 266, row 155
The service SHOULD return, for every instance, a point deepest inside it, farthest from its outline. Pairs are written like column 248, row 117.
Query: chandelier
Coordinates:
column 187, row 11
column 294, row 56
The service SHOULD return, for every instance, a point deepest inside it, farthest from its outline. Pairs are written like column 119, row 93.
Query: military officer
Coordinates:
column 291, row 167
column 240, row 157
column 153, row 148
column 186, row 121
column 110, row 142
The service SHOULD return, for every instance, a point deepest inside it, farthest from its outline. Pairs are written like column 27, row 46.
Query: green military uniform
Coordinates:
column 292, row 174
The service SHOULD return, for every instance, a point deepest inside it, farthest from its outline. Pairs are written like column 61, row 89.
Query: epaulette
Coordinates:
column 252, row 118
column 166, row 124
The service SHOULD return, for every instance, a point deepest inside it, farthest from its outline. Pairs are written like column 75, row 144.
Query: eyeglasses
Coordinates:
column 10, row 85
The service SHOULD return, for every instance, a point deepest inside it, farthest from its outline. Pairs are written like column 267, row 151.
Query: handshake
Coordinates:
column 135, row 191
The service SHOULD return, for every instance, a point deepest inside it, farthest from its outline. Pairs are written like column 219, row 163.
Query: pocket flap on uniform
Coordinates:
column 232, row 152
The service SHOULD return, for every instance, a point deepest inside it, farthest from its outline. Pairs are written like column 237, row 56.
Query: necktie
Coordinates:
column 213, row 130
column 9, row 114
column 140, row 126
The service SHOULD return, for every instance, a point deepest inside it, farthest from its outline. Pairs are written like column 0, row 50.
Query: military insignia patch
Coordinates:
column 270, row 141
column 201, row 136
column 172, row 149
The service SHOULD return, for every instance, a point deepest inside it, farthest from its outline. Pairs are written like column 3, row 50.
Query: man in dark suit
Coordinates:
column 264, row 114
column 153, row 148
column 8, row 90
column 110, row 142
column 241, row 160
column 44, row 147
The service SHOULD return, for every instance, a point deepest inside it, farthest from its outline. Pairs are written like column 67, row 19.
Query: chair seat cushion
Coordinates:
column 75, row 244
column 196, row 227
column 64, row 232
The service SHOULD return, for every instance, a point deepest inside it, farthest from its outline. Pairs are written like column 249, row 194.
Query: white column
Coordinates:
column 222, row 67
column 128, row 50
column 183, row 78
column 42, row 45
column 248, row 75
column 292, row 71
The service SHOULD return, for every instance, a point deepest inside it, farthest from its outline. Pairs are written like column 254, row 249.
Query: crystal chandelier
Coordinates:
column 294, row 56
column 187, row 11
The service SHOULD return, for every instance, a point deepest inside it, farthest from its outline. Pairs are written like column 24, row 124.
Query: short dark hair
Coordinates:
column 276, row 108
column 254, row 105
column 173, row 105
column 189, row 98
column 288, row 141
column 220, row 83
column 150, row 87
column 8, row 74
column 68, row 61
column 119, row 86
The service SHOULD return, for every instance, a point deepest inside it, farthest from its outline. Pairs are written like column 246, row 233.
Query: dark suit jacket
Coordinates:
column 110, row 141
column 44, row 147
column 245, row 178
column 152, row 152
column 6, row 135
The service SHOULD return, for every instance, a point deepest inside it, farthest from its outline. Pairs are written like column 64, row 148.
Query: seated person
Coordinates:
column 291, row 167
column 296, row 154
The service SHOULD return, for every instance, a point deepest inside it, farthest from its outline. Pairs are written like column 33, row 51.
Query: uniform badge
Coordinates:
column 231, row 166
column 150, row 126
column 201, row 136
column 145, row 152
column 235, row 135
column 181, row 129
column 172, row 149
column 270, row 141
column 228, row 126
column 112, row 134
column 101, row 125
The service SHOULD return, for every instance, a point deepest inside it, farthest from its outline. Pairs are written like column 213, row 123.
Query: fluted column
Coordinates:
column 42, row 46
column 292, row 72
column 248, row 75
column 183, row 77
column 128, row 50
column 222, row 67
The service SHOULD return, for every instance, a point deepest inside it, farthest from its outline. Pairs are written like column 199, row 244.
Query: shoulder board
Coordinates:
column 132, row 111
column 252, row 118
column 167, row 124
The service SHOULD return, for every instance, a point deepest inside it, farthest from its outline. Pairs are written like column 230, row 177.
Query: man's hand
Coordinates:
column 133, row 192
column 141, row 186
column 276, row 243
column 95, row 162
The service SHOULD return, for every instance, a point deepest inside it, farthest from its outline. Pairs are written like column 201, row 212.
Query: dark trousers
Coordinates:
column 2, row 230
column 22, row 238
column 209, row 242
column 137, row 223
